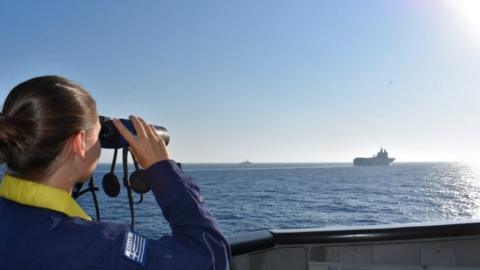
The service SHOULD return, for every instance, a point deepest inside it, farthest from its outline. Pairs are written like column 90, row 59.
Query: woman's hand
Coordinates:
column 147, row 146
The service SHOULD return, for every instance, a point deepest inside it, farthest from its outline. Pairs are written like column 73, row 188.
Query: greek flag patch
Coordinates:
column 135, row 248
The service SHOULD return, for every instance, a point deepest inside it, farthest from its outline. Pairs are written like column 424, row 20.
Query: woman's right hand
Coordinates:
column 147, row 146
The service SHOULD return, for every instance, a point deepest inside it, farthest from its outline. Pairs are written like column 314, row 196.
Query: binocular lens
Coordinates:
column 111, row 138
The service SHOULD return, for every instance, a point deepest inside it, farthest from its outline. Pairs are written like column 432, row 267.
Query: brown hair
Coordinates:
column 38, row 117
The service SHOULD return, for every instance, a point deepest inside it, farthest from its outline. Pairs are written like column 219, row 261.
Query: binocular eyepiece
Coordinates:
column 111, row 138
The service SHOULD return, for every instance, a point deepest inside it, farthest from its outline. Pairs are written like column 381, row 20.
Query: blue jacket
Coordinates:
column 40, row 228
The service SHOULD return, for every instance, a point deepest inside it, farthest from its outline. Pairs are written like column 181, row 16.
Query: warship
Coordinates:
column 246, row 162
column 380, row 159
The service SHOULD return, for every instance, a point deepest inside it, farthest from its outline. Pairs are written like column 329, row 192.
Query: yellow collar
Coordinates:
column 39, row 195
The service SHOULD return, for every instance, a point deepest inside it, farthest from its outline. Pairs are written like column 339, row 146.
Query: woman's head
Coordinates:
column 40, row 122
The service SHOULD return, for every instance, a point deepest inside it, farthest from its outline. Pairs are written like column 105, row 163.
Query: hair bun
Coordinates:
column 3, row 140
column 11, row 138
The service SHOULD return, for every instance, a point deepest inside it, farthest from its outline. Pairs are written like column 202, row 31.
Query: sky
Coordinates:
column 267, row 81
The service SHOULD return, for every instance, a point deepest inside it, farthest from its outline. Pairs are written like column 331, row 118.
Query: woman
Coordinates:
column 49, row 141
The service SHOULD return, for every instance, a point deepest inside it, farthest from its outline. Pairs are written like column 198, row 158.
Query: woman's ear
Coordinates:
column 78, row 144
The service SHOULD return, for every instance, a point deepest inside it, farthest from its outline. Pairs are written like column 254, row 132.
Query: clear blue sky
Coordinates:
column 271, row 81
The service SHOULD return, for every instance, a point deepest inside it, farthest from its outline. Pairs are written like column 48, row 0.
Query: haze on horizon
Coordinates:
column 267, row 81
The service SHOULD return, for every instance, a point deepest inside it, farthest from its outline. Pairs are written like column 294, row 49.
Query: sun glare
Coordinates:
column 467, row 12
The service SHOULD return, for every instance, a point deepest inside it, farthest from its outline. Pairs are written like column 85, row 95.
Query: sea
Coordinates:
column 250, row 197
column 259, row 196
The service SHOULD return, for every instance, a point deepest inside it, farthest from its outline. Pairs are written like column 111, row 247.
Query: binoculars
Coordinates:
column 110, row 137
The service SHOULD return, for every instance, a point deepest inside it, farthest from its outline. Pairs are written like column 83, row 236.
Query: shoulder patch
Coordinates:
column 135, row 247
